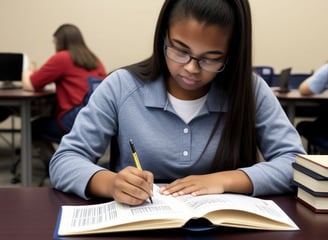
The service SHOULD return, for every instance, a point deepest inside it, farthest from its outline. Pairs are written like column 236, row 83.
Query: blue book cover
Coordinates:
column 308, row 190
column 309, row 172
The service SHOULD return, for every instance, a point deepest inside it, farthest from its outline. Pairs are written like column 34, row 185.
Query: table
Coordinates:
column 293, row 98
column 31, row 213
column 23, row 100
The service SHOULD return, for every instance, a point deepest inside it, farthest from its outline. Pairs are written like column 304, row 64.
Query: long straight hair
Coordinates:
column 69, row 37
column 238, row 144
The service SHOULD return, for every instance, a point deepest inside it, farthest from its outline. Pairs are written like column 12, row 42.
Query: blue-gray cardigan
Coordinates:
column 126, row 107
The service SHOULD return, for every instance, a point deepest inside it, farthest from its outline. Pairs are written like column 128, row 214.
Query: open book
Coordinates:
column 232, row 210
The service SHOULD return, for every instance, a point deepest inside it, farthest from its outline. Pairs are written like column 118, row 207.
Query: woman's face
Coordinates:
column 209, row 42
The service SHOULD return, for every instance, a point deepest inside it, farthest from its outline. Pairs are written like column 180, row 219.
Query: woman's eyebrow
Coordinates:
column 182, row 44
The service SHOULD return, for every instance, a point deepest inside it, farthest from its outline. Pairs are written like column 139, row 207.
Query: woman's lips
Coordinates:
column 189, row 81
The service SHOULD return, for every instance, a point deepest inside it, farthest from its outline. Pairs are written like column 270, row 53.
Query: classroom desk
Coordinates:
column 31, row 213
column 293, row 98
column 23, row 100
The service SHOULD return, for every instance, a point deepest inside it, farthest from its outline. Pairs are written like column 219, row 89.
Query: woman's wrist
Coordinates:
column 100, row 184
column 236, row 181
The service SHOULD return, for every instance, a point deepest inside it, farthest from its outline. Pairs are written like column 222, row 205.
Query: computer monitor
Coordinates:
column 283, row 80
column 11, row 68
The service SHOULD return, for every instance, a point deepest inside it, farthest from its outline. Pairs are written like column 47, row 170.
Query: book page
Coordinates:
column 321, row 160
column 316, row 163
column 237, row 202
column 169, row 211
column 110, row 214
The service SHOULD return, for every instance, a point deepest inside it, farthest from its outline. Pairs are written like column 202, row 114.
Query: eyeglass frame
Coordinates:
column 198, row 60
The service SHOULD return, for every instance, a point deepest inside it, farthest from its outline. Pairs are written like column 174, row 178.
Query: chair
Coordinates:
column 297, row 78
column 69, row 118
column 315, row 132
column 93, row 83
column 317, row 144
column 294, row 79
column 266, row 72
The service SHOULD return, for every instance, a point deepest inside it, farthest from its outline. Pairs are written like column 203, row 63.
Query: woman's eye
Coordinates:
column 207, row 60
column 181, row 53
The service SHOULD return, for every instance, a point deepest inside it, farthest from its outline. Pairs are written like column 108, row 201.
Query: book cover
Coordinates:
column 316, row 163
column 316, row 183
column 230, row 210
column 310, row 191
column 309, row 172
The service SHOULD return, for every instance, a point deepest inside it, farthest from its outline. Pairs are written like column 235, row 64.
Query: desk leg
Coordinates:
column 26, row 143
column 291, row 112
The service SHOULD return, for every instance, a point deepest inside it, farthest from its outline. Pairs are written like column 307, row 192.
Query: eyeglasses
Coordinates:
column 183, row 58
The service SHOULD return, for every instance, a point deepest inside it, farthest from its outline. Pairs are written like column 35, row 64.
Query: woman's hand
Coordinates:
column 194, row 184
column 227, row 181
column 26, row 81
column 132, row 186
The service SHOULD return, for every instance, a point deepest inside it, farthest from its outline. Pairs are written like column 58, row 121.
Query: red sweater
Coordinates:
column 70, row 80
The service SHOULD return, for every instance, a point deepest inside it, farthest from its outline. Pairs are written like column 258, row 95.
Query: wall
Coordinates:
column 118, row 31
column 290, row 33
column 287, row 33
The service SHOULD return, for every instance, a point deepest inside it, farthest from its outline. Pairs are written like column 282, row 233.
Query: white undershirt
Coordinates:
column 187, row 109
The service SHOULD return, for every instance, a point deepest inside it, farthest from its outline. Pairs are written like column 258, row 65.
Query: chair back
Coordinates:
column 266, row 72
column 317, row 144
column 297, row 78
column 69, row 117
column 294, row 79
column 93, row 83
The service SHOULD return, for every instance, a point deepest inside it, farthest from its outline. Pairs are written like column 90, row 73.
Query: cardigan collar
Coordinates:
column 156, row 97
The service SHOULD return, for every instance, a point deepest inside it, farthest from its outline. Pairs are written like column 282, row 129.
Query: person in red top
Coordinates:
column 68, row 69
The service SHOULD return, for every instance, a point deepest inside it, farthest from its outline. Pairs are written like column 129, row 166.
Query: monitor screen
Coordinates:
column 283, row 80
column 11, row 66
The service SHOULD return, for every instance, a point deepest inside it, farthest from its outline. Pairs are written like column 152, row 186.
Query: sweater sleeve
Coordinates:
column 279, row 142
column 318, row 82
column 52, row 70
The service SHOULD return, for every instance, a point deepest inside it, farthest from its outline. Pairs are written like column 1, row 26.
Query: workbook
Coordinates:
column 231, row 210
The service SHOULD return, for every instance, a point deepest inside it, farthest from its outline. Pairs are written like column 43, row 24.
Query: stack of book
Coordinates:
column 311, row 179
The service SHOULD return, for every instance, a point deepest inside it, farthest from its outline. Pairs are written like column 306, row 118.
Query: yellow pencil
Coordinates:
column 136, row 159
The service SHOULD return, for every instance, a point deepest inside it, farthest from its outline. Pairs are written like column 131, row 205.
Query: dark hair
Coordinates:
column 238, row 144
column 69, row 37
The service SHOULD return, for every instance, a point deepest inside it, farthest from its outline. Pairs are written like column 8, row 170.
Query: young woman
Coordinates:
column 69, row 69
column 195, row 111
